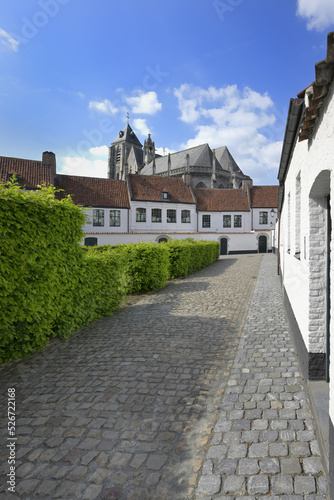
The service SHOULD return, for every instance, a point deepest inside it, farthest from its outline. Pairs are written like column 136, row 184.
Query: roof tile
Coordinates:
column 222, row 200
column 149, row 188
column 264, row 196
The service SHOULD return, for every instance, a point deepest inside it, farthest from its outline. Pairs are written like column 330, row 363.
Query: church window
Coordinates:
column 200, row 185
column 206, row 220
column 263, row 218
column 98, row 217
column 140, row 214
column 171, row 215
column 226, row 221
column 238, row 221
column 115, row 217
column 156, row 215
column 185, row 216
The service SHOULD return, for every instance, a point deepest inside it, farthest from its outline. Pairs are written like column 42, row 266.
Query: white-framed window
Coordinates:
column 98, row 217
column 156, row 215
column 115, row 218
column 226, row 221
column 140, row 214
column 185, row 216
column 206, row 220
column 238, row 220
column 171, row 215
column 263, row 218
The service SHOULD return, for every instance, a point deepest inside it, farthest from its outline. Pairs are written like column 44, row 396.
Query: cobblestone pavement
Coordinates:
column 125, row 407
column 264, row 444
column 162, row 401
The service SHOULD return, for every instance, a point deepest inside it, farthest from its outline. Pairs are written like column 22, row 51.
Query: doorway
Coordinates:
column 262, row 244
column 223, row 246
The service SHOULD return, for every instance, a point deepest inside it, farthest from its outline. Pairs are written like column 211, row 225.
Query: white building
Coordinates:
column 305, row 249
column 158, row 208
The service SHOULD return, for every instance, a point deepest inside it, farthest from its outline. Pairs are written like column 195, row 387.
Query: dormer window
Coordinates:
column 165, row 195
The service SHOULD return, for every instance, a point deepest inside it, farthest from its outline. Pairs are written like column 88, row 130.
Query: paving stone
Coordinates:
column 282, row 485
column 209, row 485
column 217, row 451
column 258, row 485
column 248, row 466
column 290, row 466
column 155, row 462
column 258, row 450
column 312, row 465
column 305, row 485
column 234, row 484
column 226, row 466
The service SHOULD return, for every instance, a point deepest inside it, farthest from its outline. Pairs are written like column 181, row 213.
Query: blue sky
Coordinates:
column 189, row 72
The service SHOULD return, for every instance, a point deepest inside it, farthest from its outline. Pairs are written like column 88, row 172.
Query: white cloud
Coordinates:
column 243, row 120
column 99, row 151
column 105, row 107
column 319, row 13
column 8, row 42
column 140, row 125
column 147, row 104
column 74, row 165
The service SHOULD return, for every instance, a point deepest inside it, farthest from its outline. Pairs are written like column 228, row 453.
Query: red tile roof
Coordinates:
column 95, row 192
column 149, row 188
column 264, row 196
column 222, row 200
column 31, row 173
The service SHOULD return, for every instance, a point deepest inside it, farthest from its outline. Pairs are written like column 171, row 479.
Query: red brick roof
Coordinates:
column 31, row 173
column 264, row 196
column 222, row 200
column 95, row 192
column 149, row 188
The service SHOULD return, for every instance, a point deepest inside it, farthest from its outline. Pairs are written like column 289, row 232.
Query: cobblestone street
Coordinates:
column 190, row 392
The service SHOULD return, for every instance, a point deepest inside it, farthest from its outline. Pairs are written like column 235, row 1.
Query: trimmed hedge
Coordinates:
column 188, row 256
column 146, row 264
column 49, row 285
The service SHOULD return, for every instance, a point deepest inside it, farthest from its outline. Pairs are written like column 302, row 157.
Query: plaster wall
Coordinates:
column 163, row 226
column 89, row 227
column 217, row 218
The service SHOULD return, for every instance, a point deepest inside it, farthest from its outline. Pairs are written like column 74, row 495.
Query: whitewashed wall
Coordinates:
column 304, row 280
column 216, row 222
column 256, row 218
column 162, row 226
column 89, row 227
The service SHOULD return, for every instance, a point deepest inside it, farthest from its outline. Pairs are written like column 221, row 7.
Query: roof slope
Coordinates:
column 198, row 156
column 222, row 200
column 264, row 196
column 95, row 192
column 31, row 173
column 149, row 188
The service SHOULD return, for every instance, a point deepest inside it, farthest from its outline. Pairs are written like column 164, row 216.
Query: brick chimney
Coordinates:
column 49, row 160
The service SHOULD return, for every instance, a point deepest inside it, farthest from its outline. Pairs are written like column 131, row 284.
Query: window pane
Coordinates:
column 140, row 214
column 263, row 219
column 156, row 215
column 238, row 221
column 171, row 215
column 98, row 217
column 206, row 220
column 185, row 216
column 226, row 221
column 115, row 217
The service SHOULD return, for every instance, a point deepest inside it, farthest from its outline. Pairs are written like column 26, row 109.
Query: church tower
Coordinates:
column 149, row 150
column 125, row 154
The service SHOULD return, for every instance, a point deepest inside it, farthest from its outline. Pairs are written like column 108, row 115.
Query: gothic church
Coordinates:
column 199, row 167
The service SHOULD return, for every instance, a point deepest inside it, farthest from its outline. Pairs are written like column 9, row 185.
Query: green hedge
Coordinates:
column 188, row 256
column 49, row 285
column 145, row 264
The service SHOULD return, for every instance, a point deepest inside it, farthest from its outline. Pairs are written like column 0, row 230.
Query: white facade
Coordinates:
column 102, row 220
column 306, row 245
column 227, row 222
column 170, row 217
column 264, row 218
